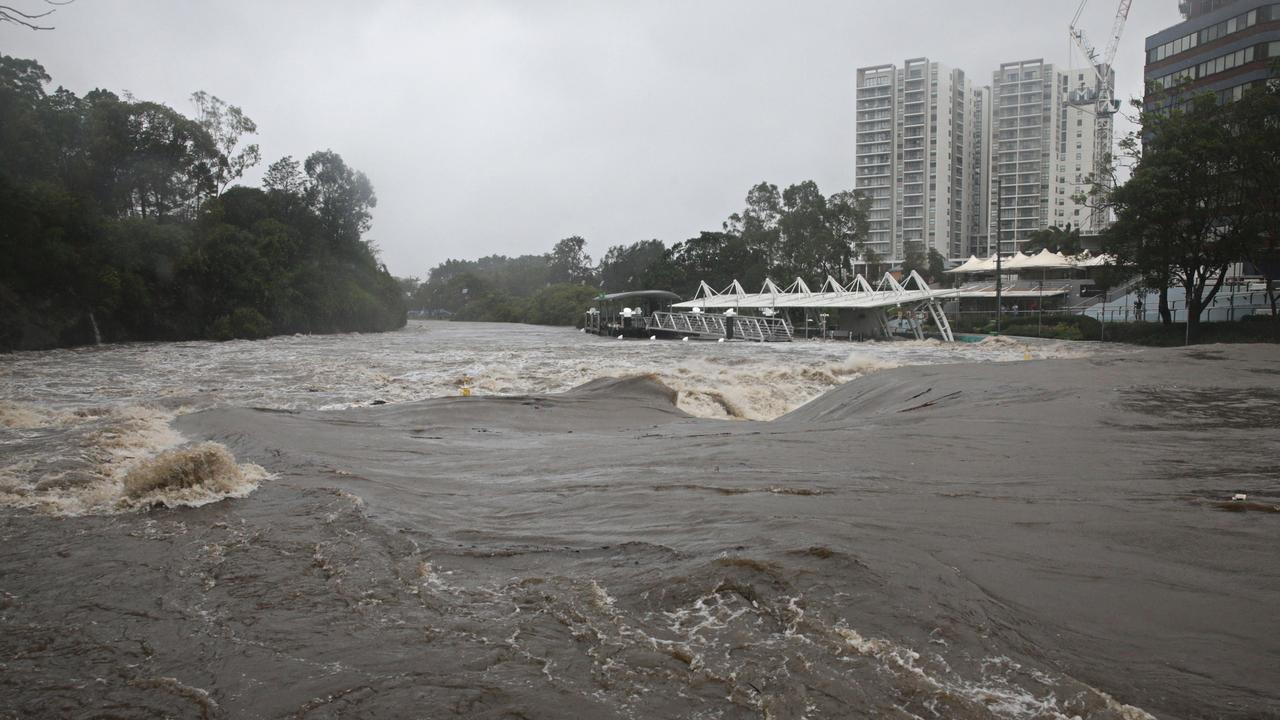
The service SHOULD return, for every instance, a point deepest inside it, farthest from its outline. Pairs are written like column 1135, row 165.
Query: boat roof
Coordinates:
column 659, row 294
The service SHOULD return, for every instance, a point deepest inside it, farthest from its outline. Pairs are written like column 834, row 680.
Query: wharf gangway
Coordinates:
column 699, row 324
column 913, row 295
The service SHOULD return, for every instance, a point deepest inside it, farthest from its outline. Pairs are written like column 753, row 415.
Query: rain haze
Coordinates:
column 991, row 448
column 501, row 127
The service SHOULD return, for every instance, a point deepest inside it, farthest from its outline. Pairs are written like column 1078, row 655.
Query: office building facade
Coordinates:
column 1221, row 46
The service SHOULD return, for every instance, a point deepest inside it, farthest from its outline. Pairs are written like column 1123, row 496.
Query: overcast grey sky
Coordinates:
column 501, row 127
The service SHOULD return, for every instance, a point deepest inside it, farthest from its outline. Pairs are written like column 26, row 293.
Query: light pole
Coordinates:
column 999, row 237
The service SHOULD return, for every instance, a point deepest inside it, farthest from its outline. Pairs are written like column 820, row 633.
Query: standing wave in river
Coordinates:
column 77, row 423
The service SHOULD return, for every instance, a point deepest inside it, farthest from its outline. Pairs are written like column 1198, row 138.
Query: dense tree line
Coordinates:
column 1204, row 195
column 796, row 232
column 122, row 220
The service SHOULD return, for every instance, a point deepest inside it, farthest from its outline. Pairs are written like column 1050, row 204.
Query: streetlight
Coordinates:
column 999, row 237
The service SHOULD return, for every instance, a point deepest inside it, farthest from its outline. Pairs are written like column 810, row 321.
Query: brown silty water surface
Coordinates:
column 954, row 538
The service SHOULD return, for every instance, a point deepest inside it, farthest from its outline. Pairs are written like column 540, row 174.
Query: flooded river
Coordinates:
column 324, row 527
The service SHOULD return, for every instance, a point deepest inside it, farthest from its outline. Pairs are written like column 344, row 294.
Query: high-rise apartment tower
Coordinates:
column 930, row 147
column 1049, row 145
column 919, row 160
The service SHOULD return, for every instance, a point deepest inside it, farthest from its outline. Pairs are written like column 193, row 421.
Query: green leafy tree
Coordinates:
column 561, row 304
column 848, row 222
column 1065, row 240
column 491, row 307
column 343, row 198
column 227, row 124
column 717, row 258
column 1254, row 123
column 759, row 224
column 806, row 237
column 408, row 285
column 1180, row 213
column 25, row 147
column 873, row 261
column 569, row 261
column 915, row 258
column 639, row 266
column 169, row 162
column 285, row 175
column 112, row 228
column 937, row 266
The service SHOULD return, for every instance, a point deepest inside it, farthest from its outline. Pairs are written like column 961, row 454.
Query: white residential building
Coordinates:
column 1049, row 144
column 930, row 149
column 919, row 157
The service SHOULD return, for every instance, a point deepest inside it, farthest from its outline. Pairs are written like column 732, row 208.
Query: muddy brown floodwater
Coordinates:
column 950, row 538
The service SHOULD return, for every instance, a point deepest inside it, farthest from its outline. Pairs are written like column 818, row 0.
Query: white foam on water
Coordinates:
column 106, row 460
column 432, row 359
column 73, row 423
column 997, row 693
column 29, row 416
column 188, row 476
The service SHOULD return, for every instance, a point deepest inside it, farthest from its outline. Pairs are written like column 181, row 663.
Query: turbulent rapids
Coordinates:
column 74, row 423
column 635, row 530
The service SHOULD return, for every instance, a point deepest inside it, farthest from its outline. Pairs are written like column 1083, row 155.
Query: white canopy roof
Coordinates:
column 858, row 294
column 1019, row 260
column 988, row 265
column 1044, row 260
column 966, row 266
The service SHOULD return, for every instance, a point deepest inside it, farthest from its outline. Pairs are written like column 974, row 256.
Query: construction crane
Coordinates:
column 1101, row 63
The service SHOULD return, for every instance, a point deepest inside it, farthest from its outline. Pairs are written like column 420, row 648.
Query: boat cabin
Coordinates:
column 624, row 313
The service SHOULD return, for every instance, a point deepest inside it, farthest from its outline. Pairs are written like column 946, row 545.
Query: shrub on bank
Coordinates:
column 558, row 304
column 243, row 323
column 1250, row 329
column 561, row 304
column 1160, row 335
column 1056, row 326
